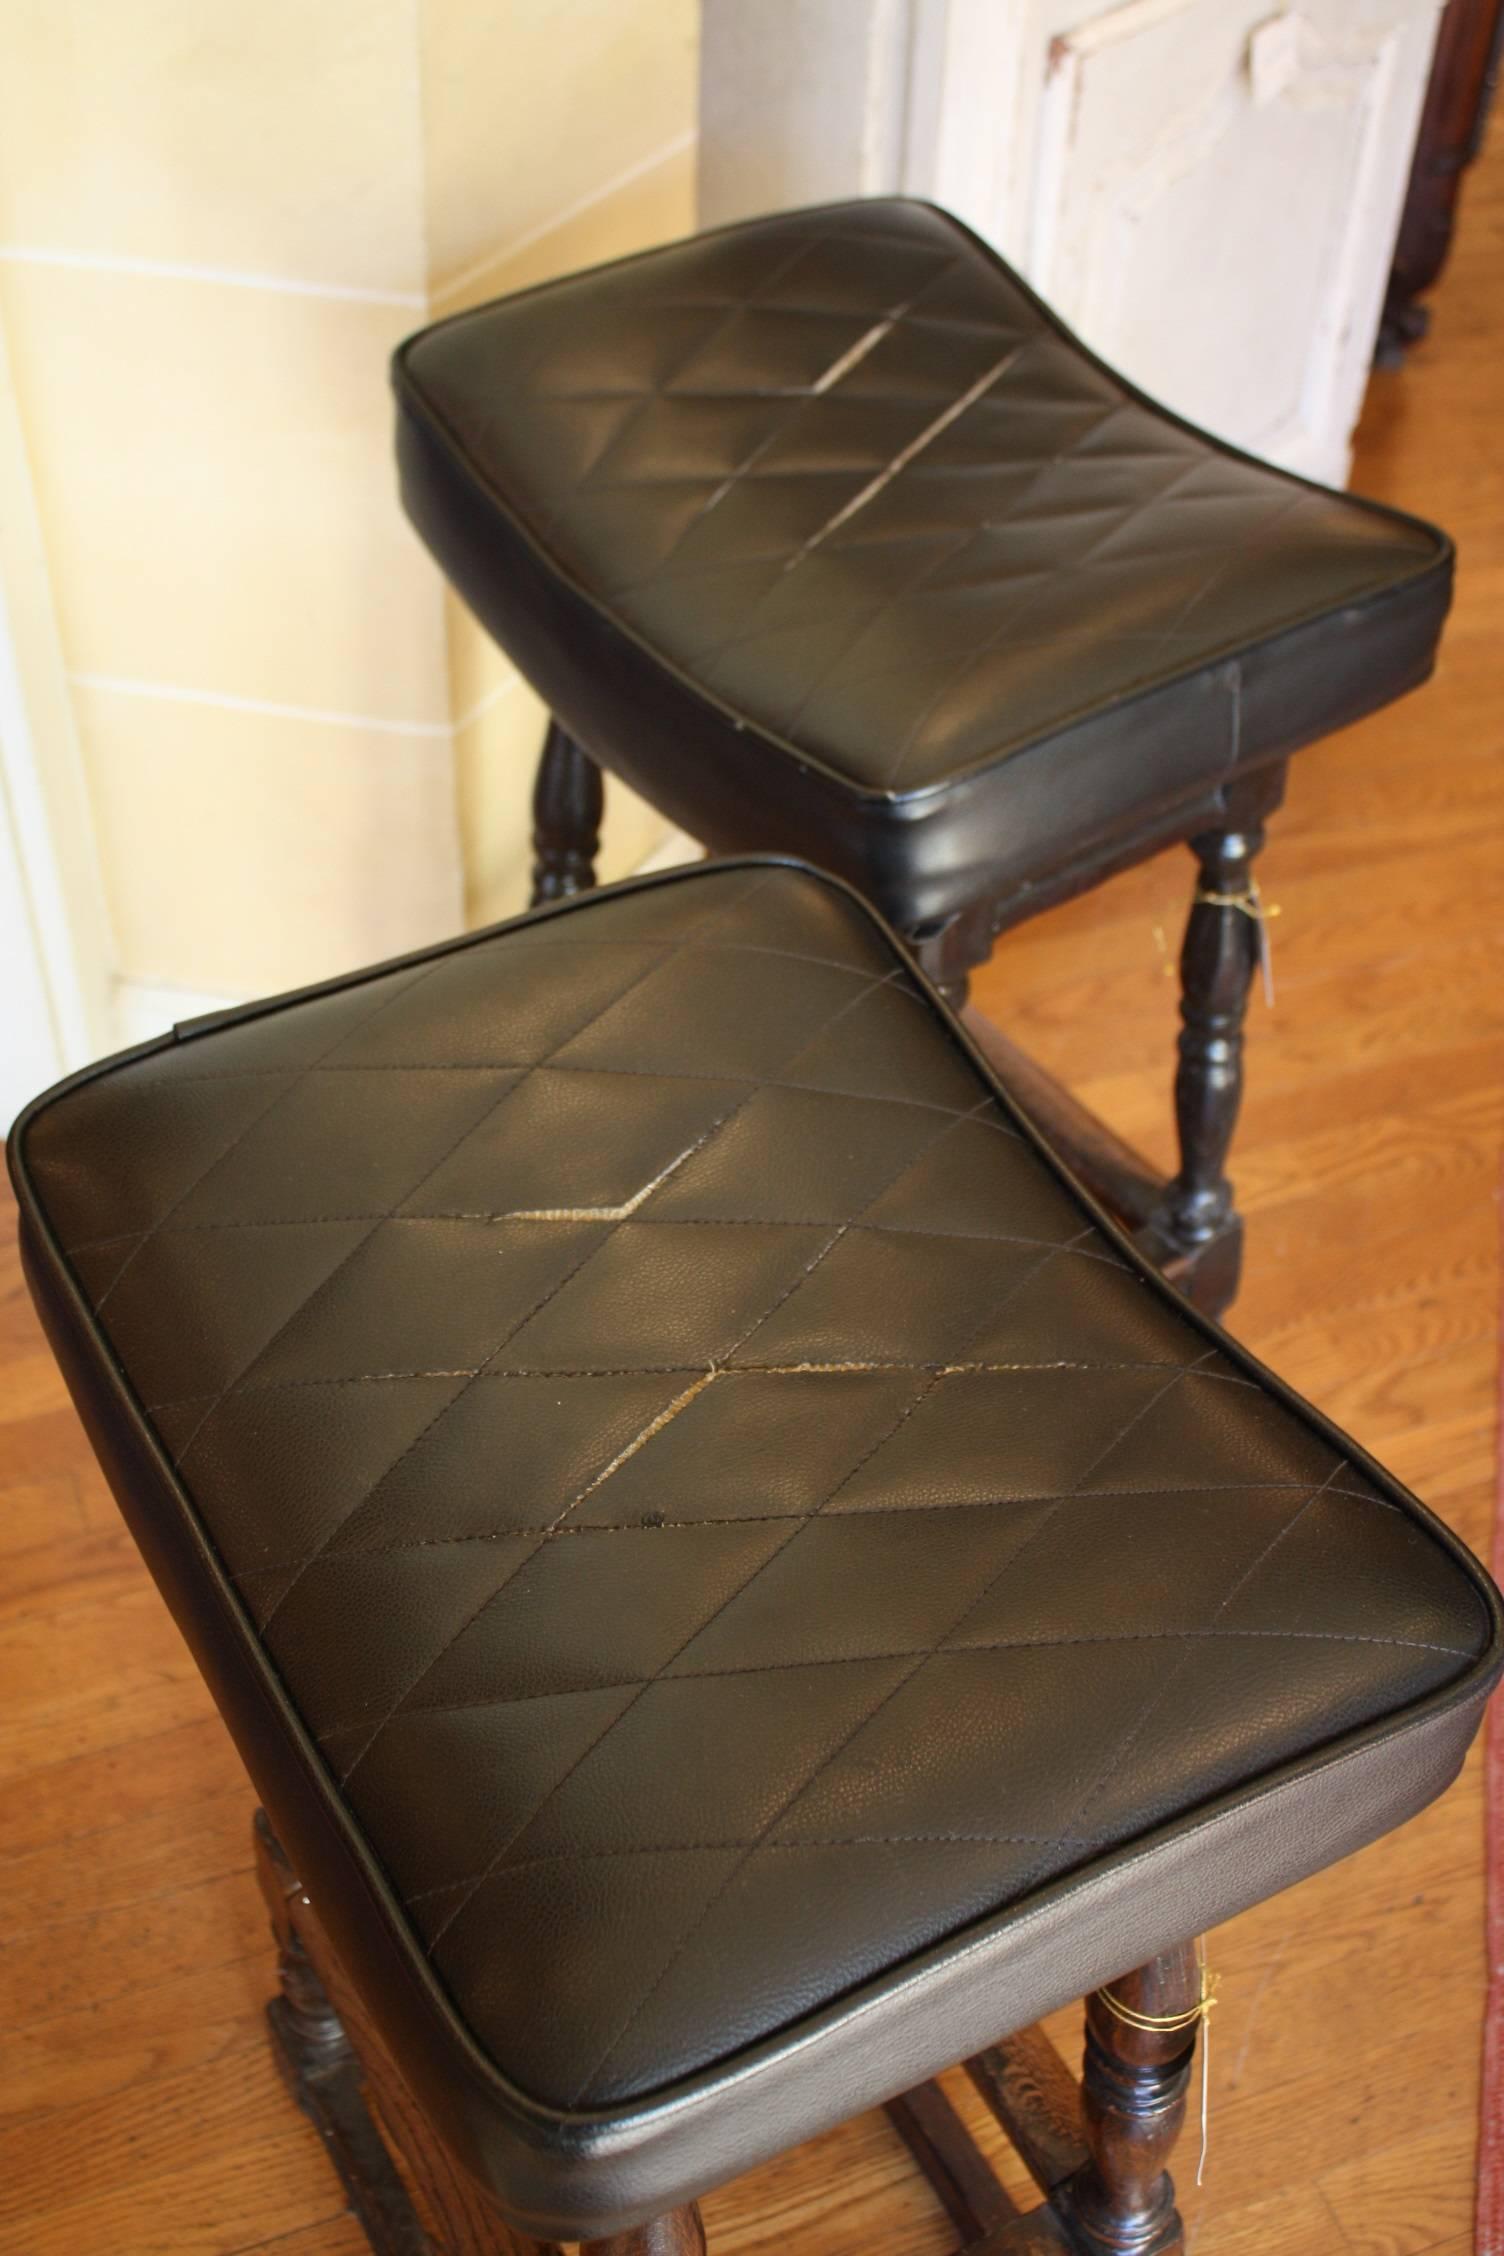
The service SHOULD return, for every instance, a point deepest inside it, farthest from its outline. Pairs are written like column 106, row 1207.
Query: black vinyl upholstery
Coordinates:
column 825, row 534
column 735, row 1585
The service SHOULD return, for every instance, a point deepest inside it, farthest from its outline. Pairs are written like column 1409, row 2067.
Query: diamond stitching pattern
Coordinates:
column 470, row 1129
column 804, row 1785
column 740, row 527
column 800, row 1523
column 1013, row 1544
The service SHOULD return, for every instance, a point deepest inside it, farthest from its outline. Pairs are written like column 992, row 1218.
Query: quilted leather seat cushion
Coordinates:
column 827, row 534
column 722, row 1526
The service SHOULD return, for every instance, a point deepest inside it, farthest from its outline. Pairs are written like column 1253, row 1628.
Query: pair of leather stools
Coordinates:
column 739, row 1585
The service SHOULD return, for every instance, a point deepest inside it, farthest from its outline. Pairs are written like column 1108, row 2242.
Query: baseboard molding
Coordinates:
column 669, row 853
column 144, row 1008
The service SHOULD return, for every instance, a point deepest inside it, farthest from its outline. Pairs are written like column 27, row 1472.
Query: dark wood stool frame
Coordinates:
column 1187, row 1225
column 1097, row 2152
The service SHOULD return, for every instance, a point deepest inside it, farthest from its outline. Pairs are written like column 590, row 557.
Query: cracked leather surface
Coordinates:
column 840, row 480
column 726, row 1514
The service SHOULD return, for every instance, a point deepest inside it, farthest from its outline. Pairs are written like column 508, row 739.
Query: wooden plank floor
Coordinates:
column 139, row 2113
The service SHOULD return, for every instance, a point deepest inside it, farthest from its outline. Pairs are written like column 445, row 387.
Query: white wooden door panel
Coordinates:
column 1207, row 189
column 1213, row 202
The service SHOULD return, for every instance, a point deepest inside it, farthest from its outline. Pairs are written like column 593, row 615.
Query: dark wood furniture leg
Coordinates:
column 1097, row 2151
column 1117, row 1176
column 680, row 2233
column 567, row 800
column 1188, row 1226
column 322, row 2073
column 1217, row 966
column 410, row 2196
column 960, row 2176
column 1464, row 74
column 1140, row 2043
column 948, row 953
column 1195, row 1222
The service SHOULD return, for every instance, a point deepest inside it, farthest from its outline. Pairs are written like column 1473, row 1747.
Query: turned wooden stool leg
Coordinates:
column 320, row 2069
column 1195, row 1231
column 406, row 2190
column 310, row 2037
column 1217, row 964
column 1133, row 2103
column 679, row 2233
column 567, row 801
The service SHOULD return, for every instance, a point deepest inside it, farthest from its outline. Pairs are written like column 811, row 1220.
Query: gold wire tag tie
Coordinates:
column 1168, row 2023
column 1165, row 2021
column 1250, row 903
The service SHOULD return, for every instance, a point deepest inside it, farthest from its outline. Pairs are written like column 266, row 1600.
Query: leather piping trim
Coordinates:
column 574, row 2130
column 412, row 397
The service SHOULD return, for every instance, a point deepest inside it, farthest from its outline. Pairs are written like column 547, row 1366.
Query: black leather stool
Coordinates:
column 825, row 534
column 736, row 1587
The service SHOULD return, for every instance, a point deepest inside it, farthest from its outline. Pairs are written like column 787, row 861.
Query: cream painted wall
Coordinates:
column 555, row 136
column 215, row 223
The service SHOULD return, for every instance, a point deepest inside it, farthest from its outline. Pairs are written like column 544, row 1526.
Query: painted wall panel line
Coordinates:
column 173, row 270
